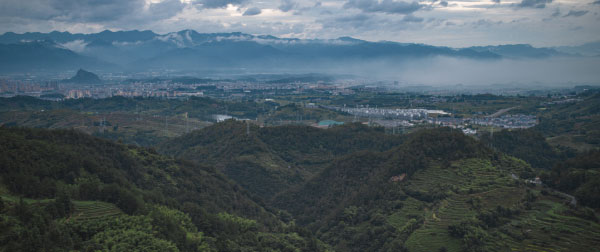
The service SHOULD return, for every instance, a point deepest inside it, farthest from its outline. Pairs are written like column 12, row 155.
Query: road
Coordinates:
column 502, row 111
column 573, row 201
column 571, row 198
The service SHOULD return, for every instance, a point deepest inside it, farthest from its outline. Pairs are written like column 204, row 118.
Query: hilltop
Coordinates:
column 84, row 77
column 268, row 160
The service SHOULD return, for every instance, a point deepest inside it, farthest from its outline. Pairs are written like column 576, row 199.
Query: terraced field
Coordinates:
column 83, row 210
column 87, row 210
column 548, row 226
column 465, row 182
column 433, row 234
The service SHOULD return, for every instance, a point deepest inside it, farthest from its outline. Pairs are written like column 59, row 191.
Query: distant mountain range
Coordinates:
column 190, row 50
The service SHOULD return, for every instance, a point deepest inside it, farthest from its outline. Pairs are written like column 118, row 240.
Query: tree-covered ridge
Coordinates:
column 421, row 197
column 297, row 188
column 269, row 160
column 198, row 107
column 580, row 176
column 52, row 180
column 578, row 120
column 145, row 121
column 36, row 163
column 366, row 171
column 527, row 144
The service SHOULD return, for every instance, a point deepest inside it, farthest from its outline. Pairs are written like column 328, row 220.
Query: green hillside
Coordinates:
column 529, row 145
column 66, row 190
column 268, row 160
column 576, row 124
column 236, row 186
column 448, row 201
column 579, row 176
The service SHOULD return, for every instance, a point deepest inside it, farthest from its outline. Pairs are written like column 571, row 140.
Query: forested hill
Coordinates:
column 438, row 191
column 579, row 176
column 297, row 188
column 366, row 171
column 198, row 107
column 66, row 190
column 529, row 145
column 269, row 160
column 578, row 121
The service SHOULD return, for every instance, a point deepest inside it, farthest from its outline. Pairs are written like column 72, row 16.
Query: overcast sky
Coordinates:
column 437, row 22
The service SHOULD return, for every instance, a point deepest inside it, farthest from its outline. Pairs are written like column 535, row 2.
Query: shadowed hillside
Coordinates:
column 68, row 190
column 268, row 160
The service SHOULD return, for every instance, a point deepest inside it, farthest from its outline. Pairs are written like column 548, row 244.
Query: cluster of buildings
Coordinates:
column 17, row 87
column 400, row 118
column 171, row 88
column 386, row 113
column 77, row 94
column 517, row 121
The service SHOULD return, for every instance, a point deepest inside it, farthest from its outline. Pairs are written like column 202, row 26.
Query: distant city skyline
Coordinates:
column 462, row 23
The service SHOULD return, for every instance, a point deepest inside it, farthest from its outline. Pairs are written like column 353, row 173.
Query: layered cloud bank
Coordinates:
column 458, row 23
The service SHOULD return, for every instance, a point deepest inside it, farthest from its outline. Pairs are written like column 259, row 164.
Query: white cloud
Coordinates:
column 75, row 45
column 454, row 23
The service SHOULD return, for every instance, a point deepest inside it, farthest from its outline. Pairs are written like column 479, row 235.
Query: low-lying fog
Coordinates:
column 439, row 71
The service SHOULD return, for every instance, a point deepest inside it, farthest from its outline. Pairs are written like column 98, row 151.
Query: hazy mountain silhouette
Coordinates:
column 189, row 50
column 43, row 56
column 84, row 77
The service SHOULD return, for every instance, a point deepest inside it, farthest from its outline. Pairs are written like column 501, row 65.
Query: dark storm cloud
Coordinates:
column 444, row 3
column 89, row 11
column 597, row 2
column 384, row 6
column 412, row 19
column 496, row 1
column 485, row 23
column 358, row 22
column 354, row 20
column 573, row 13
column 252, row 11
column 367, row 22
column 540, row 4
column 215, row 4
column 27, row 9
column 70, row 10
column 287, row 5
column 165, row 9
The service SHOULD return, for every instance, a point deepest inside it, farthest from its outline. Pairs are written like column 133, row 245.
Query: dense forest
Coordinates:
column 529, row 145
column 267, row 160
column 199, row 107
column 577, row 120
column 65, row 190
column 580, row 176
column 238, row 186
column 343, row 184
